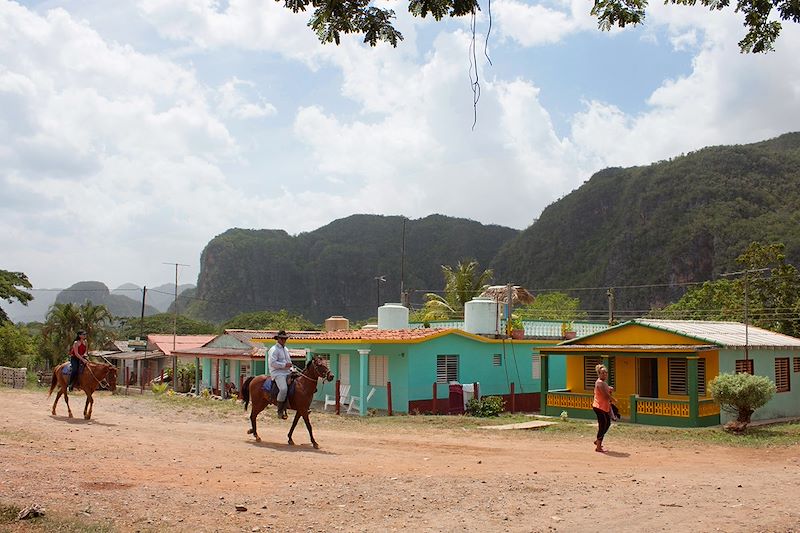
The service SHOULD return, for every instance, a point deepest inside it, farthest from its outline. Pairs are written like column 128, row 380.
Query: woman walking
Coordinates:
column 601, row 405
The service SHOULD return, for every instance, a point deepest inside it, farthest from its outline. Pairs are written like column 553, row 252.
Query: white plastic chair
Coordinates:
column 330, row 399
column 355, row 401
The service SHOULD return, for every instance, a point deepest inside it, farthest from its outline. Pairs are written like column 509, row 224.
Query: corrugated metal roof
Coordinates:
column 181, row 342
column 728, row 334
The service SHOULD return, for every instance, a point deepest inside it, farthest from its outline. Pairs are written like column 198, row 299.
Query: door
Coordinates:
column 344, row 368
column 647, row 386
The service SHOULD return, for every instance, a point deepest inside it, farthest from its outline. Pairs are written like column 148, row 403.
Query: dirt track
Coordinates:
column 142, row 467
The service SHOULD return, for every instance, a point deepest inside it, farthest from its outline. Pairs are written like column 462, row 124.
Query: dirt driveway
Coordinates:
column 142, row 466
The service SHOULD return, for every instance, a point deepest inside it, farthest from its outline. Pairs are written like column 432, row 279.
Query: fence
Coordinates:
column 12, row 377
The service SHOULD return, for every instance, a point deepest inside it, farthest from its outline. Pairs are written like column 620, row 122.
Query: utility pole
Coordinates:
column 175, row 327
column 611, row 301
column 510, row 297
column 746, row 273
column 402, row 266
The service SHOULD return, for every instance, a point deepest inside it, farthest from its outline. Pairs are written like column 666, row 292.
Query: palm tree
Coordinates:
column 461, row 284
column 62, row 323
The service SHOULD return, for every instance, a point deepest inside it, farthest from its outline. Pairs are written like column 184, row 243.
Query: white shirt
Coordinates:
column 277, row 357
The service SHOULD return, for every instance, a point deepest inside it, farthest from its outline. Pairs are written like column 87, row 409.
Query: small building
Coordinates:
column 661, row 370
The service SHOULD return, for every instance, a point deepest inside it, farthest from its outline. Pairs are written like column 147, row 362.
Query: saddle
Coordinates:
column 272, row 388
column 67, row 370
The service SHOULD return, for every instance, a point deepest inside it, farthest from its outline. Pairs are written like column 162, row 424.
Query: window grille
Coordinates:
column 744, row 366
column 782, row 374
column 701, row 377
column 536, row 366
column 446, row 368
column 497, row 359
column 676, row 376
column 378, row 370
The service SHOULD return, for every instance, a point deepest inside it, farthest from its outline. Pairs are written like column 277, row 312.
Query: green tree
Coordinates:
column 552, row 306
column 741, row 394
column 164, row 323
column 16, row 345
column 10, row 291
column 332, row 18
column 773, row 297
column 270, row 320
column 461, row 284
column 65, row 320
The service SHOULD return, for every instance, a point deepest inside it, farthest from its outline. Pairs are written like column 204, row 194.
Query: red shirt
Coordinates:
column 81, row 349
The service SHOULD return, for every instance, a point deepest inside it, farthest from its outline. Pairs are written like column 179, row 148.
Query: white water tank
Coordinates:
column 392, row 316
column 482, row 316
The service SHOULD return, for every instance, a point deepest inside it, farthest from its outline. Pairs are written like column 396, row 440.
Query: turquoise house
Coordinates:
column 419, row 364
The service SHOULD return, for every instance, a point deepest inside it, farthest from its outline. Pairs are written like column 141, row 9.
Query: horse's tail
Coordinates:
column 246, row 392
column 53, row 381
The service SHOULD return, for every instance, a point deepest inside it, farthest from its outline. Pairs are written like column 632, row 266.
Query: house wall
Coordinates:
column 782, row 404
column 637, row 334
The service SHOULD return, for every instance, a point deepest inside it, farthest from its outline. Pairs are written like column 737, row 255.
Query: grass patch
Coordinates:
column 48, row 523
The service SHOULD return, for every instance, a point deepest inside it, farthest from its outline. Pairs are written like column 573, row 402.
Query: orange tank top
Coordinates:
column 601, row 396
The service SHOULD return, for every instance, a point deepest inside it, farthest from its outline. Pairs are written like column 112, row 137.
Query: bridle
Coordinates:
column 104, row 381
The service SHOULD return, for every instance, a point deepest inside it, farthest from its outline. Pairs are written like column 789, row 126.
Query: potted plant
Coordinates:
column 568, row 330
column 516, row 328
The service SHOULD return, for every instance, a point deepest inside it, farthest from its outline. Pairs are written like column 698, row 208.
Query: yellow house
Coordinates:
column 661, row 370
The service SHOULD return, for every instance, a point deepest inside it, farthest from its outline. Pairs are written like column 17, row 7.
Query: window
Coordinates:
column 797, row 364
column 590, row 374
column 782, row 374
column 676, row 375
column 497, row 359
column 446, row 368
column 344, row 368
column 744, row 366
column 378, row 370
column 536, row 366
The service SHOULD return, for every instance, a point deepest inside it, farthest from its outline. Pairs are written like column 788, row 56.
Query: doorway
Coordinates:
column 647, row 386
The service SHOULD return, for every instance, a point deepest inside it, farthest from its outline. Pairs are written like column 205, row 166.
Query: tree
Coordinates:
column 164, row 323
column 9, row 291
column 270, row 320
column 461, row 284
column 773, row 298
column 65, row 320
column 741, row 394
column 332, row 18
column 552, row 306
column 16, row 345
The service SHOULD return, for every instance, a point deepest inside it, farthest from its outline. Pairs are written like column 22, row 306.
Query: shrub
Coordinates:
column 159, row 388
column 486, row 406
column 741, row 394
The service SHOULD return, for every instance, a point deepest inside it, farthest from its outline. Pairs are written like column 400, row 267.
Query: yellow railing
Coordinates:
column 662, row 407
column 571, row 400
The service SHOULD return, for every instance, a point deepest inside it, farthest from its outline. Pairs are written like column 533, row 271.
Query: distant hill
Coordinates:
column 97, row 293
column 332, row 270
column 160, row 297
column 664, row 224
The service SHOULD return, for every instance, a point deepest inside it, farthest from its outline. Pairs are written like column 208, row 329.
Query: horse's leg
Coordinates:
column 58, row 396
column 66, row 401
column 310, row 431
column 294, row 423
column 87, row 409
column 254, row 410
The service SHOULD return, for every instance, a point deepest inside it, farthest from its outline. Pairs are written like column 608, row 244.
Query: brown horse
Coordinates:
column 92, row 377
column 305, row 385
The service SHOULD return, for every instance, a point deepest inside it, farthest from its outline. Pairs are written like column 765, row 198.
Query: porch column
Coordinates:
column 309, row 356
column 235, row 379
column 544, row 380
column 691, row 383
column 363, row 369
column 197, row 375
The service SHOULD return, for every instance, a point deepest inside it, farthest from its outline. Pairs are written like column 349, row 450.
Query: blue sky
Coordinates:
column 131, row 135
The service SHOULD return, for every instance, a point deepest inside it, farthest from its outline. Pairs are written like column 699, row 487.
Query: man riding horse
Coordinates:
column 279, row 364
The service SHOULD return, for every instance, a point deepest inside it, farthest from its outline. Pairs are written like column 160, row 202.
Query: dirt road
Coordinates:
column 141, row 466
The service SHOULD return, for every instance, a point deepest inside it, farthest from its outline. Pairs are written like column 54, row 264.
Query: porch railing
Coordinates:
column 644, row 406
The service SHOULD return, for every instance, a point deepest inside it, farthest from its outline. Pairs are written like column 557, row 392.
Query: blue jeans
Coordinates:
column 76, row 368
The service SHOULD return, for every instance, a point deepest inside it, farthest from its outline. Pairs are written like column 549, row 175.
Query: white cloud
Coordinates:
column 538, row 23
column 235, row 104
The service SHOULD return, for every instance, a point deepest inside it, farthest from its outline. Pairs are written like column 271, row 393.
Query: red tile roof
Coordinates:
column 381, row 334
column 181, row 342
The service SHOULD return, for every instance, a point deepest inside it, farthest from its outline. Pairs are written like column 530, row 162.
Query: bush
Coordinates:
column 486, row 406
column 741, row 394
column 159, row 388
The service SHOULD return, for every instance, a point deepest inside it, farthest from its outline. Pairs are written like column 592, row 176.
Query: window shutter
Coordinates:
column 446, row 368
column 676, row 375
column 744, row 366
column 589, row 373
column 782, row 374
column 536, row 366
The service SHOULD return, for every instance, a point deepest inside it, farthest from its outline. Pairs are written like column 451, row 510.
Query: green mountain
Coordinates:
column 662, row 225
column 333, row 270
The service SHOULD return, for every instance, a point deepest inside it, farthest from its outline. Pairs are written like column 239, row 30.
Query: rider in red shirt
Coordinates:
column 77, row 355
